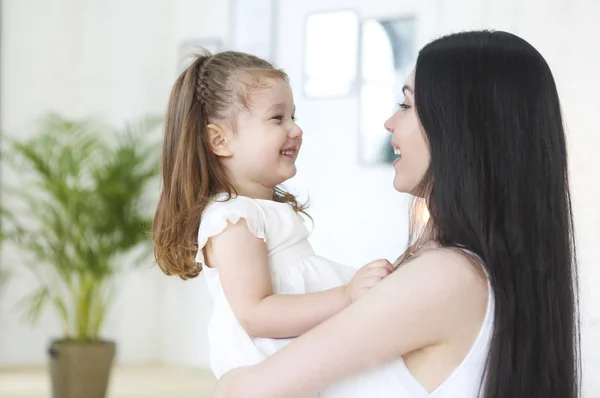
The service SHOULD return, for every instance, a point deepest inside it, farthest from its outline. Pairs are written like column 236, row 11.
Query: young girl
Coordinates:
column 230, row 140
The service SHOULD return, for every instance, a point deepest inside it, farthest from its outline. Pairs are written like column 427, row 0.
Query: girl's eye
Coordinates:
column 404, row 106
column 281, row 117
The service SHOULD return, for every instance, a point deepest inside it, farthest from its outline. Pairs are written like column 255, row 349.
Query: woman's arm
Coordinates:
column 419, row 305
column 241, row 258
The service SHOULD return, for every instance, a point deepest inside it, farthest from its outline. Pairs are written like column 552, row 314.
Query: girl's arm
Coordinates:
column 241, row 258
column 431, row 300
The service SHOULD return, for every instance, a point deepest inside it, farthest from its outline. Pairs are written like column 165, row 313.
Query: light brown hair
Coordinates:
column 213, row 89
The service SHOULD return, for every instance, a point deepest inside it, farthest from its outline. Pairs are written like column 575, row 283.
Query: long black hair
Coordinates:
column 498, row 185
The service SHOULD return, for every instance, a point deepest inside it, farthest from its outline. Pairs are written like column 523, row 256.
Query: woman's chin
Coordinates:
column 401, row 186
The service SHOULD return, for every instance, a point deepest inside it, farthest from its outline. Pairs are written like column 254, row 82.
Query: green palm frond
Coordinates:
column 77, row 210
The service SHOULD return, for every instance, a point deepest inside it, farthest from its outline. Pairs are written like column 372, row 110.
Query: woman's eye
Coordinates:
column 278, row 117
column 404, row 106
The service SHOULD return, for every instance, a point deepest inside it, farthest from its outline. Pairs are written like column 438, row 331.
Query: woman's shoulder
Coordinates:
column 450, row 268
column 458, row 277
column 448, row 281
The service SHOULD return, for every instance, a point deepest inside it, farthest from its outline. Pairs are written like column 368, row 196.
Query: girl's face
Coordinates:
column 263, row 151
column 409, row 142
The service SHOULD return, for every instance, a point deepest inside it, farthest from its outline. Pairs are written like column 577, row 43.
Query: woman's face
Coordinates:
column 409, row 142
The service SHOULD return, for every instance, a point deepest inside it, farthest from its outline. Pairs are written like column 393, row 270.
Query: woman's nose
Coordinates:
column 388, row 125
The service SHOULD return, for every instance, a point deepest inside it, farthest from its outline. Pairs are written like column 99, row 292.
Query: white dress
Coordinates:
column 295, row 269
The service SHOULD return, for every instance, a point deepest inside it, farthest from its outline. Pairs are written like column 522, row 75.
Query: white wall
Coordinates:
column 116, row 60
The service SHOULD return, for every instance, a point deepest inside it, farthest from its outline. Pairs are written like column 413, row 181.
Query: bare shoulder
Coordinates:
column 451, row 267
column 448, row 283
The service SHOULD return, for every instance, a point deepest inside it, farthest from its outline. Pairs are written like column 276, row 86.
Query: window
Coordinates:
column 336, row 65
column 387, row 58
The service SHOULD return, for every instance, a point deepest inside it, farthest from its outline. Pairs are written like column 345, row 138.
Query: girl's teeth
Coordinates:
column 288, row 153
column 397, row 152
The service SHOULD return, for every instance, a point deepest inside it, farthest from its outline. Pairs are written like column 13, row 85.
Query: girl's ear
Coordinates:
column 217, row 138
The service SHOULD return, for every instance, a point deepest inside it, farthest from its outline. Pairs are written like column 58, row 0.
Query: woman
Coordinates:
column 484, row 302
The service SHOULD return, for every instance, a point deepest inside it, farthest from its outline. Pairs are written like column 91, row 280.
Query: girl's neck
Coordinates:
column 255, row 192
column 249, row 188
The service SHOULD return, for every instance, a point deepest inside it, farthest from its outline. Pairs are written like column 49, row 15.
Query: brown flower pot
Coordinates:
column 80, row 370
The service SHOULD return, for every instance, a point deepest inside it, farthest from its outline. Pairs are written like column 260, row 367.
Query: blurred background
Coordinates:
column 84, row 84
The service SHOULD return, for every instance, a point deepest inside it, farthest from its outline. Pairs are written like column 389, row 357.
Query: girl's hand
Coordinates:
column 368, row 276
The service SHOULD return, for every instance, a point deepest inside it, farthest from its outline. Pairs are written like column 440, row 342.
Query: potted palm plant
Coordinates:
column 75, row 214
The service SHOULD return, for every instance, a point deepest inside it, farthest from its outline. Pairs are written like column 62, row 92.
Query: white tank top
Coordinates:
column 394, row 380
